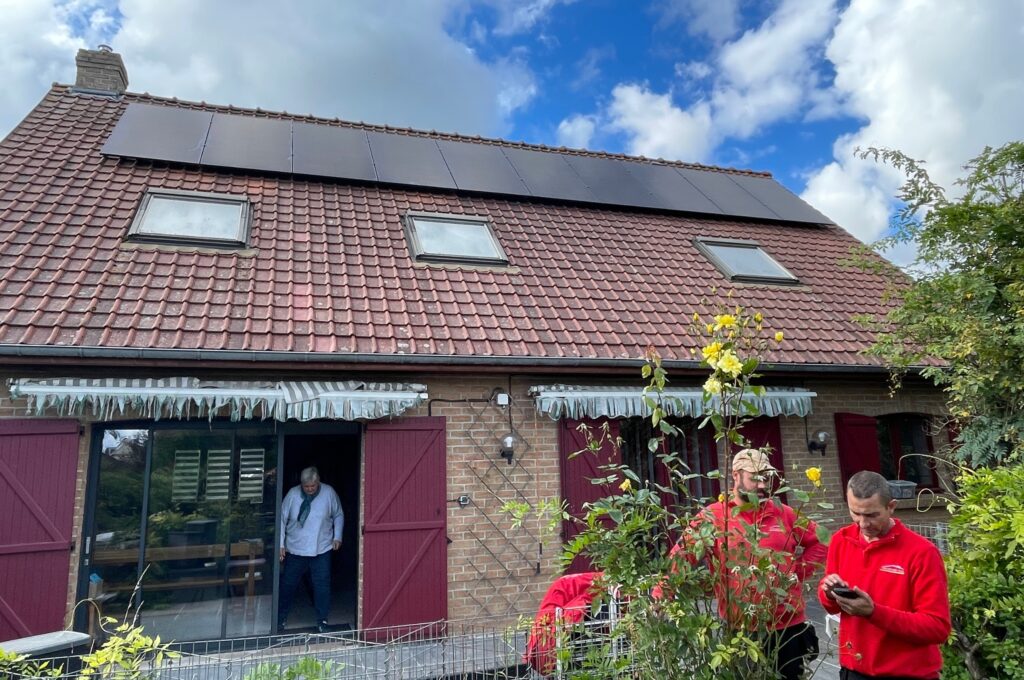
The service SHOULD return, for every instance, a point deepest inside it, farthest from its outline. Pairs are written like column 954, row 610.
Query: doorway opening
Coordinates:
column 337, row 458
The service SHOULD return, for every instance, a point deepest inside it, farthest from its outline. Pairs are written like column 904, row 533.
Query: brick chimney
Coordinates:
column 101, row 70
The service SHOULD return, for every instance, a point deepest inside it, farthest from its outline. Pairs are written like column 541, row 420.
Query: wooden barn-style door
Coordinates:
column 578, row 471
column 38, row 464
column 405, row 546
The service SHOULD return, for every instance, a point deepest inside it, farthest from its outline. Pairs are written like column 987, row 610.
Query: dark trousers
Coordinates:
column 791, row 647
column 295, row 567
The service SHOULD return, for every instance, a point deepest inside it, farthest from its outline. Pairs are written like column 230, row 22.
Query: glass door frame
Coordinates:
column 281, row 430
column 92, row 489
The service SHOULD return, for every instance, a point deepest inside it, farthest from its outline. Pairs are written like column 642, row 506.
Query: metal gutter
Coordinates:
column 50, row 352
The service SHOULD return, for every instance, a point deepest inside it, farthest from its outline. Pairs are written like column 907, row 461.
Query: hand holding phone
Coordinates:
column 843, row 591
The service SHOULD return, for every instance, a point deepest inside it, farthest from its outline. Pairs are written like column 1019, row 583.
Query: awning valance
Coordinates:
column 587, row 401
column 185, row 397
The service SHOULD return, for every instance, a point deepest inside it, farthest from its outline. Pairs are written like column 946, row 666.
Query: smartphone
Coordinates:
column 843, row 591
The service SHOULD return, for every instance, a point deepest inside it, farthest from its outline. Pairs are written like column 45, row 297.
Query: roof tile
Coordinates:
column 328, row 269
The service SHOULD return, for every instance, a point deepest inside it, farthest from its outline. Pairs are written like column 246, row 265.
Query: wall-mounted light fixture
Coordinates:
column 819, row 442
column 507, row 450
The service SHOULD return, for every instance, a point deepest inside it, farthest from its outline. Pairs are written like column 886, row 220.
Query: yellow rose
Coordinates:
column 779, row 336
column 814, row 474
column 758, row 318
column 729, row 363
column 721, row 498
column 696, row 317
column 712, row 351
column 626, row 485
column 709, row 328
column 725, row 321
column 713, row 386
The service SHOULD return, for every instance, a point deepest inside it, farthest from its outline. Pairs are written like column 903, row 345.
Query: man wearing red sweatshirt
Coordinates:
column 888, row 585
column 778, row 529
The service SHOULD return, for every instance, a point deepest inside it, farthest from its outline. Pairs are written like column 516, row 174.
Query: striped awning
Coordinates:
column 588, row 401
column 184, row 397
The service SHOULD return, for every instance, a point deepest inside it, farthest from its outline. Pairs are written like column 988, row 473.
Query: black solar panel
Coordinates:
column 328, row 151
column 403, row 159
column 779, row 199
column 481, row 167
column 730, row 198
column 249, row 143
column 670, row 190
column 183, row 135
column 611, row 181
column 548, row 175
column 161, row 133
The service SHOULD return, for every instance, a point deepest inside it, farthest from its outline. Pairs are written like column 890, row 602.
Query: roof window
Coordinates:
column 744, row 261
column 452, row 238
column 193, row 217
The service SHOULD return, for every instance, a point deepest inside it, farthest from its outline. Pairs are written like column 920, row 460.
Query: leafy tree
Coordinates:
column 962, row 316
column 986, row 575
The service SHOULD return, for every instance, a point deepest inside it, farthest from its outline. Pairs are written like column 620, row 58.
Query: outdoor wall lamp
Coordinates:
column 818, row 442
column 508, row 448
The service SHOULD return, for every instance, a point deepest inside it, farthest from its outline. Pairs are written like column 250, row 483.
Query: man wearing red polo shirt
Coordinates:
column 888, row 585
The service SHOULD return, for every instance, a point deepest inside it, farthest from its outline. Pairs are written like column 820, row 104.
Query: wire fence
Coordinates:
column 435, row 651
column 482, row 649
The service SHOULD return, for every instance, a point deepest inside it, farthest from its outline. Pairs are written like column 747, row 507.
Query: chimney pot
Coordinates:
column 101, row 70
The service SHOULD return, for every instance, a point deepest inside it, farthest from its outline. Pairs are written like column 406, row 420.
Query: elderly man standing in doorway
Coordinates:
column 311, row 525
column 888, row 585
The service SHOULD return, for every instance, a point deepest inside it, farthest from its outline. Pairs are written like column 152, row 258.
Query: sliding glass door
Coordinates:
column 203, row 520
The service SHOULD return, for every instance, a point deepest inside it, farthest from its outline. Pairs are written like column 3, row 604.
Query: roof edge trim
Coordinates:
column 257, row 356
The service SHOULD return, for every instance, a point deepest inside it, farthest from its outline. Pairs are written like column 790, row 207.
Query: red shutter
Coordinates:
column 766, row 431
column 577, row 471
column 857, row 445
column 38, row 465
column 405, row 550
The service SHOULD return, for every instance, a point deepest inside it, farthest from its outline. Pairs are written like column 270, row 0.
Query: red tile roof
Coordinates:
column 328, row 269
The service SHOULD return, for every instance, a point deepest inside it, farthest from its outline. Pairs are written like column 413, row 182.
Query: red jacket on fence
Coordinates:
column 573, row 594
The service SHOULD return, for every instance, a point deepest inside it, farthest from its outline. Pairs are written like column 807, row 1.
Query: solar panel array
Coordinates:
column 178, row 135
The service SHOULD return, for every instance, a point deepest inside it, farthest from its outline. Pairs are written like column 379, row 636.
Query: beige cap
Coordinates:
column 752, row 460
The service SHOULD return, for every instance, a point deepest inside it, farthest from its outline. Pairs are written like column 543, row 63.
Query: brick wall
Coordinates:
column 496, row 570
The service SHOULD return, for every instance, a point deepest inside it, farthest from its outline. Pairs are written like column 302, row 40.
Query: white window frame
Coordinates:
column 703, row 245
column 137, row 233
column 420, row 255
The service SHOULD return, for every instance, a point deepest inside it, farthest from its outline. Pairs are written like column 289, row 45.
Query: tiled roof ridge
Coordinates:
column 146, row 97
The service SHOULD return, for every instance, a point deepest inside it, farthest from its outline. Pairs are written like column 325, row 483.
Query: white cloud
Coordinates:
column 36, row 49
column 937, row 80
column 576, row 131
column 717, row 19
column 659, row 129
column 767, row 74
column 396, row 64
column 520, row 16
column 589, row 67
column 694, row 70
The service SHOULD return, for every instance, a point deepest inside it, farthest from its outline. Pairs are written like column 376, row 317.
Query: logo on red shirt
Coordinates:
column 892, row 569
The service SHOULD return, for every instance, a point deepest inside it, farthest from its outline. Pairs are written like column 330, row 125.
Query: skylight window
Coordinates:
column 744, row 261
column 453, row 238
column 192, row 217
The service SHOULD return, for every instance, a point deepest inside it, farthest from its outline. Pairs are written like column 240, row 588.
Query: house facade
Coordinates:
column 199, row 301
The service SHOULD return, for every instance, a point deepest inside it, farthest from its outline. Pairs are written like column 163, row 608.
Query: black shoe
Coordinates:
column 321, row 627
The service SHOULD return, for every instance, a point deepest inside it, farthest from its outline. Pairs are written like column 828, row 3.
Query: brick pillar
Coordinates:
column 101, row 70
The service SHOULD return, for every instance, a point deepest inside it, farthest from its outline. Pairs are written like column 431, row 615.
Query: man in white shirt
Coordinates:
column 311, row 524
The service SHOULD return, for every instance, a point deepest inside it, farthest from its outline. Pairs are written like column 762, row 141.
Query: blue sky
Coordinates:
column 787, row 86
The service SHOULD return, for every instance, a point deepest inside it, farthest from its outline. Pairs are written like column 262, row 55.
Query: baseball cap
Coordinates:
column 752, row 460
